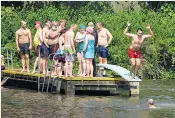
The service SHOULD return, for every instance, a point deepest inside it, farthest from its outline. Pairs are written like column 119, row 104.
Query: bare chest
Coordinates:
column 102, row 34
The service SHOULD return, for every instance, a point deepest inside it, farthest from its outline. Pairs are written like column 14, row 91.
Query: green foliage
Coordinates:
column 159, row 51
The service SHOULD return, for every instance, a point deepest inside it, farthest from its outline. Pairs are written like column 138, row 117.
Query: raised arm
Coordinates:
column 110, row 36
column 30, row 39
column 17, row 44
column 126, row 31
column 128, row 34
column 150, row 32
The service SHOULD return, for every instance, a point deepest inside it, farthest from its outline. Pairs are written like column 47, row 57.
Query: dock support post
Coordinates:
column 134, row 88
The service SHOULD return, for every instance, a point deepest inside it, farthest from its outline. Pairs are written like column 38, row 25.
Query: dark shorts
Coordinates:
column 24, row 49
column 53, row 48
column 134, row 54
column 38, row 50
column 44, row 51
column 102, row 52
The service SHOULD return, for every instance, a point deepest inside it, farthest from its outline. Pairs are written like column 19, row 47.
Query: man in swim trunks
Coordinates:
column 37, row 44
column 134, row 49
column 103, row 43
column 44, row 46
column 95, row 34
column 53, row 46
column 24, row 44
column 69, row 49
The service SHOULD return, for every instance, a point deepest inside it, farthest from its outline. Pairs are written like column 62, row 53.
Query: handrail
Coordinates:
column 8, row 50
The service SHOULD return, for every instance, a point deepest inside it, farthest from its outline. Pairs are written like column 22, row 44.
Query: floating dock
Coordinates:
column 55, row 84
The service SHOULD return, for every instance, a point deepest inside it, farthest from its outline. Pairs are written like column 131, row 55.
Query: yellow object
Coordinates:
column 36, row 38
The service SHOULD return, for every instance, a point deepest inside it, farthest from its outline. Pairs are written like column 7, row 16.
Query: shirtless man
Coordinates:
column 24, row 44
column 69, row 49
column 134, row 49
column 103, row 43
column 54, row 34
column 44, row 46
column 37, row 43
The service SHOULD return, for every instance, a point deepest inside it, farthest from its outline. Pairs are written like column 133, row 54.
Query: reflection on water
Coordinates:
column 29, row 104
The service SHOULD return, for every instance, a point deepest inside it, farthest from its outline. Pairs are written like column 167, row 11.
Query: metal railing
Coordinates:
column 9, row 56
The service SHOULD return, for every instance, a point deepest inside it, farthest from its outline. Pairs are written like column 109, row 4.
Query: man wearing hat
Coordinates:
column 24, row 44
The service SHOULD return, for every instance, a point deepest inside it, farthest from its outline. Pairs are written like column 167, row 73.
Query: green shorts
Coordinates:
column 68, row 50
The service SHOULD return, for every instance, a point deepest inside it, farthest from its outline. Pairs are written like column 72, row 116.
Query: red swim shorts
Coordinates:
column 134, row 54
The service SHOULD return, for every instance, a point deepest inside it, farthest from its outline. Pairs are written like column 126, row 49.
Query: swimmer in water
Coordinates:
column 151, row 103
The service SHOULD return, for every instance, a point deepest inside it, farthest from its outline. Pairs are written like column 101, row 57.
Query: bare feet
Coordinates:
column 28, row 70
column 33, row 72
column 23, row 70
column 130, row 77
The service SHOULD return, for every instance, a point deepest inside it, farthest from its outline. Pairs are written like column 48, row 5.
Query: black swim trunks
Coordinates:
column 24, row 49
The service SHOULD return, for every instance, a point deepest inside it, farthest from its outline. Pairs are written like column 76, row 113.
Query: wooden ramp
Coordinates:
column 124, row 73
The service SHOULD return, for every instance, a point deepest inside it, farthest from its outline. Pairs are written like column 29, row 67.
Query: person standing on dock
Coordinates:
column 88, row 51
column 79, row 39
column 102, row 45
column 37, row 44
column 134, row 53
column 44, row 46
column 69, row 49
column 24, row 44
column 54, row 34
column 95, row 34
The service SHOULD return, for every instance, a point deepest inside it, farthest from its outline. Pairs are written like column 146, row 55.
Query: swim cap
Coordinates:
column 82, row 26
column 89, row 29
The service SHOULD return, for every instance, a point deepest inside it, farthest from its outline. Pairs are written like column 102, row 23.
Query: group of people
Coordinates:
column 60, row 44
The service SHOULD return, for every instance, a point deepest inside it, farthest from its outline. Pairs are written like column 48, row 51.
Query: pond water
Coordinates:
column 20, row 103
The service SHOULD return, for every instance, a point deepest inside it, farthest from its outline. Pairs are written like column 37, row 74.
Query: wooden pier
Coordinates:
column 55, row 84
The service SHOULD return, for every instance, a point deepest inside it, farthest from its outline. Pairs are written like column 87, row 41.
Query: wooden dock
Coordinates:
column 114, row 85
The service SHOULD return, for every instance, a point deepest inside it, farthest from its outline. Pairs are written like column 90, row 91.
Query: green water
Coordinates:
column 17, row 103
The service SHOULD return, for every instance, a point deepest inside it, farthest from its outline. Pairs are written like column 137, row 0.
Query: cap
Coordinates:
column 89, row 29
column 91, row 23
column 82, row 26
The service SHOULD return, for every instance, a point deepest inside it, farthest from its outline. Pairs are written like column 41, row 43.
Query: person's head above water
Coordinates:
column 139, row 32
column 151, row 103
